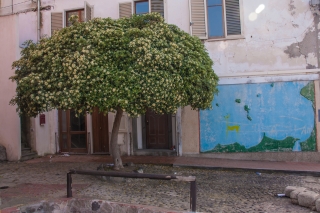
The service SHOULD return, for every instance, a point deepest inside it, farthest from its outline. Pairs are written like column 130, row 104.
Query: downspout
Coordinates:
column 39, row 20
column 178, row 132
column 316, row 23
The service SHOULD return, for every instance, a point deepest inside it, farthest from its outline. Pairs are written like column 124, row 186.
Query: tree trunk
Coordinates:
column 115, row 151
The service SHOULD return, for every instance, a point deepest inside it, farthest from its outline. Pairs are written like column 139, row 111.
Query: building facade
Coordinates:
column 265, row 52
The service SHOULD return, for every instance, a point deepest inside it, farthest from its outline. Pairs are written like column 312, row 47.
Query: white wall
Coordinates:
column 27, row 27
column 10, row 121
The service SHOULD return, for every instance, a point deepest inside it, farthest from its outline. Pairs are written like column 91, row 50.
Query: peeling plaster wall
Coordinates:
column 282, row 37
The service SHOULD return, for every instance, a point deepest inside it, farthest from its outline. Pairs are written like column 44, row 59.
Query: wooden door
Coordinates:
column 100, row 132
column 73, row 132
column 157, row 131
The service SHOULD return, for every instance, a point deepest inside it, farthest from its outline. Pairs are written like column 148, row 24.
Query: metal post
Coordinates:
column 89, row 143
column 69, row 187
column 39, row 21
column 193, row 196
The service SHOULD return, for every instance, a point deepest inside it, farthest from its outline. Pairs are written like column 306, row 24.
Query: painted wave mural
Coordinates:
column 263, row 117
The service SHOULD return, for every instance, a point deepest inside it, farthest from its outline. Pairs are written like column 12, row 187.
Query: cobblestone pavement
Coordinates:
column 217, row 190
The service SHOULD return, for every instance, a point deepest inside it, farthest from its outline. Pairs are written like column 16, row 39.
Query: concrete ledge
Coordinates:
column 294, row 195
column 303, row 197
column 264, row 156
column 318, row 205
column 307, row 199
column 289, row 189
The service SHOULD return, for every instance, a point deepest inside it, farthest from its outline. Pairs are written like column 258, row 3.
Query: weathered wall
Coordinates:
column 190, row 131
column 45, row 134
column 277, row 44
column 280, row 37
column 18, row 5
column 10, row 121
column 266, row 117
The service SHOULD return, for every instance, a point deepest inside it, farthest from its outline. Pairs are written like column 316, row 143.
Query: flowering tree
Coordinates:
column 125, row 65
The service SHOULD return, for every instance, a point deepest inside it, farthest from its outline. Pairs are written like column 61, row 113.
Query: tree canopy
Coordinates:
column 130, row 63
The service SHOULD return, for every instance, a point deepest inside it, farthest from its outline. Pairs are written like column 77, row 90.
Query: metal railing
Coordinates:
column 191, row 179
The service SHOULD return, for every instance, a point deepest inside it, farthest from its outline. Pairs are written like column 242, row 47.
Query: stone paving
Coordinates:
column 218, row 190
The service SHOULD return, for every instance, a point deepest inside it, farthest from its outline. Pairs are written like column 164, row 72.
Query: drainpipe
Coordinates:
column 38, row 1
column 178, row 132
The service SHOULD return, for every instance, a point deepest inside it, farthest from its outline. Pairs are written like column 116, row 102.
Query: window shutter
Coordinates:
column 56, row 22
column 157, row 6
column 198, row 20
column 125, row 10
column 233, row 17
column 87, row 11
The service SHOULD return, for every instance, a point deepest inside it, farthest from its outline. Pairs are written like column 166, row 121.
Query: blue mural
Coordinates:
column 260, row 117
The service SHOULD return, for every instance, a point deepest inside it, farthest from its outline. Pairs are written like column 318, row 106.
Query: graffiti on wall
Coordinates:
column 267, row 117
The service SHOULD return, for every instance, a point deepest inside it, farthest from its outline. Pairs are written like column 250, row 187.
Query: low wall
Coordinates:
column 86, row 205
column 264, row 156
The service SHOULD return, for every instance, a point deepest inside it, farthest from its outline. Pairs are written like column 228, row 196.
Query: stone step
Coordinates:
column 25, row 151
column 155, row 152
column 28, row 155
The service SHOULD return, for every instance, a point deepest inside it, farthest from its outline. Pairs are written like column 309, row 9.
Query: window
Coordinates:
column 79, row 13
column 60, row 19
column 215, row 19
column 141, row 7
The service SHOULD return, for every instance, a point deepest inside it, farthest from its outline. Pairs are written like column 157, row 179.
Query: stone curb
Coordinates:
column 66, row 205
column 262, row 170
column 303, row 197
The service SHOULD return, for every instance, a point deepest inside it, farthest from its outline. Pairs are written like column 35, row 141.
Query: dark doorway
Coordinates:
column 73, row 132
column 25, row 132
column 157, row 136
column 100, row 132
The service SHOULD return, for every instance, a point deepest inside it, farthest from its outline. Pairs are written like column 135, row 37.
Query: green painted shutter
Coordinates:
column 233, row 17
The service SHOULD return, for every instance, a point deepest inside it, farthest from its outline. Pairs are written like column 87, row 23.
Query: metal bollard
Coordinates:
column 190, row 179
column 69, row 185
column 193, row 196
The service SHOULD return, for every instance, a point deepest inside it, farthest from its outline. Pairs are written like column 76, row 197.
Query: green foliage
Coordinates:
column 310, row 143
column 308, row 92
column 266, row 145
column 273, row 145
column 235, row 147
column 130, row 63
column 246, row 108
